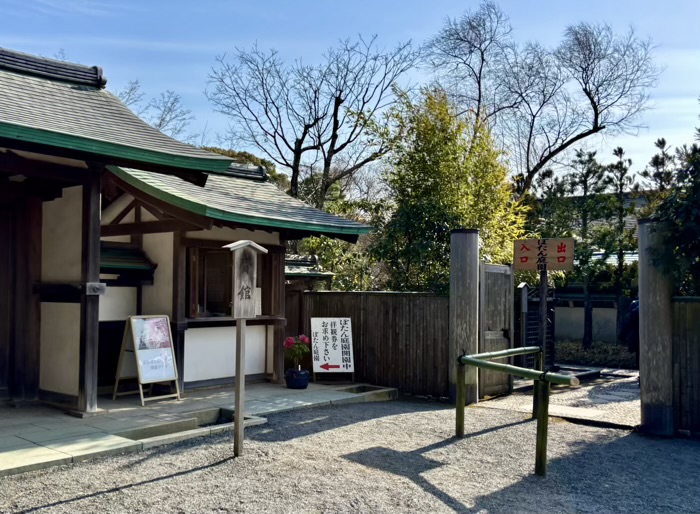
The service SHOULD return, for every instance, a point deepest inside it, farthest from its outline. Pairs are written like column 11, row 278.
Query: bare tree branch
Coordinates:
column 301, row 116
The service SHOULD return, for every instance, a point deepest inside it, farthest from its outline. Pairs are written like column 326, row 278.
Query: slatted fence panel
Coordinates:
column 399, row 339
column 686, row 364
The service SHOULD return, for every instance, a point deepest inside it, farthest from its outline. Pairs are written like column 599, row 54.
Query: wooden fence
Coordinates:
column 399, row 339
column 686, row 364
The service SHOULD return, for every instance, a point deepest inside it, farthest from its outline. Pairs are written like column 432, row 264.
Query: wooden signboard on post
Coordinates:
column 543, row 255
column 147, row 354
column 555, row 254
column 331, row 346
column 245, row 263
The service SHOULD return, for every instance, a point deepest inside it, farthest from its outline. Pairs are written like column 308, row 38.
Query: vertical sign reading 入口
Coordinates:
column 331, row 345
column 540, row 254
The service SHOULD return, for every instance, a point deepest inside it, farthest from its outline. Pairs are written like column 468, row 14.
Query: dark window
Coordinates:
column 209, row 279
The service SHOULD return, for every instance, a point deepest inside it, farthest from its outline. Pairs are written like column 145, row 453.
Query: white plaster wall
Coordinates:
column 118, row 303
column 60, row 347
column 229, row 235
column 108, row 216
column 158, row 298
column 210, row 353
column 569, row 324
column 62, row 237
column 61, row 258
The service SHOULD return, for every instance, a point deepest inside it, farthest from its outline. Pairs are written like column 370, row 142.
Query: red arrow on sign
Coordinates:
column 327, row 366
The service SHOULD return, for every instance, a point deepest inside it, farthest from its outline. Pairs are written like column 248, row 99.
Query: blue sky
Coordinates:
column 172, row 44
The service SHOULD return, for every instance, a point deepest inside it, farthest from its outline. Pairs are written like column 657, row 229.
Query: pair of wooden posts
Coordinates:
column 464, row 315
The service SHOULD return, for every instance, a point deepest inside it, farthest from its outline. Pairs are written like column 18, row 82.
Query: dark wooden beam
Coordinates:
column 123, row 213
column 27, row 341
column 89, row 305
column 277, row 293
column 157, row 213
column 202, row 222
column 191, row 242
column 179, row 321
column 13, row 164
column 195, row 177
column 145, row 227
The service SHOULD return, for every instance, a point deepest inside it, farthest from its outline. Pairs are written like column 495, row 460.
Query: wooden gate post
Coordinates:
column 655, row 337
column 464, row 311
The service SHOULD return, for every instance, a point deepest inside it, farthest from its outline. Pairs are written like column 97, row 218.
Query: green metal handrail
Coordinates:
column 510, row 352
column 542, row 379
column 533, row 374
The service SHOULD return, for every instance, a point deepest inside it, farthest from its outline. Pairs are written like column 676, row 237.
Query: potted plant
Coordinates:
column 295, row 348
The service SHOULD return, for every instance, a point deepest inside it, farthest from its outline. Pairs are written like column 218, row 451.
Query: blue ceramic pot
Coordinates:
column 296, row 379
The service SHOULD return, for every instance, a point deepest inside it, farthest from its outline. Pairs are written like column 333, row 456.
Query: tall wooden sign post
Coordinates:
column 245, row 260
column 543, row 255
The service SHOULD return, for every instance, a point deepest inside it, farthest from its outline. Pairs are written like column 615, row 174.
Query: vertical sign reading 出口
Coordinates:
column 331, row 345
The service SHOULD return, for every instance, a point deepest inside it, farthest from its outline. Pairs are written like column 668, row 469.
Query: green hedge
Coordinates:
column 601, row 355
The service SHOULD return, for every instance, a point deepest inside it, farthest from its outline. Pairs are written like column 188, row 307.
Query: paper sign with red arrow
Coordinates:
column 331, row 345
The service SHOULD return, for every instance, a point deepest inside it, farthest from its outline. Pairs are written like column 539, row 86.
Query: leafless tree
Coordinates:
column 168, row 114
column 303, row 117
column 132, row 96
column 469, row 55
column 542, row 101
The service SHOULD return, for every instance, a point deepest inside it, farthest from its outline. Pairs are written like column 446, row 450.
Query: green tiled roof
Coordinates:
column 240, row 200
column 64, row 105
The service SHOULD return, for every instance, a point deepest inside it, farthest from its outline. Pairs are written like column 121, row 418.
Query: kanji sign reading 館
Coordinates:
column 331, row 345
column 535, row 254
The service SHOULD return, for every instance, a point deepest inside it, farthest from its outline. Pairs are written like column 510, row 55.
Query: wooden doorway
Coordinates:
column 495, row 324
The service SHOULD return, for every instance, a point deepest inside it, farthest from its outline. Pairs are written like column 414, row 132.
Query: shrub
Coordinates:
column 602, row 355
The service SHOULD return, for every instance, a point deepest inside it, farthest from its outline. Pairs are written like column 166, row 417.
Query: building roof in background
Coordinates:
column 304, row 266
column 240, row 199
column 64, row 105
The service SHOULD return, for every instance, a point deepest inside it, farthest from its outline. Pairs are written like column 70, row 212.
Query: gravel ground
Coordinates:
column 380, row 457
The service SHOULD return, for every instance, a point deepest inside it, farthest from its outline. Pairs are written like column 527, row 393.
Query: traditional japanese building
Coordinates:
column 173, row 232
column 71, row 156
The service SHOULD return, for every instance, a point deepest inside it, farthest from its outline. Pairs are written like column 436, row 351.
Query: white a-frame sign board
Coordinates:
column 147, row 354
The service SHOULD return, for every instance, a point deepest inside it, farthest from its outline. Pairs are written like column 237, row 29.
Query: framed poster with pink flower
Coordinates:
column 147, row 354
column 331, row 345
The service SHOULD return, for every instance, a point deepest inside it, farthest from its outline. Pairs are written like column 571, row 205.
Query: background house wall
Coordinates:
column 570, row 324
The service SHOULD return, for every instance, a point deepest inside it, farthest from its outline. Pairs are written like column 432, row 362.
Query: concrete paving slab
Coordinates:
column 19, row 429
column 161, row 440
column 29, row 458
column 12, row 441
column 93, row 445
column 59, row 433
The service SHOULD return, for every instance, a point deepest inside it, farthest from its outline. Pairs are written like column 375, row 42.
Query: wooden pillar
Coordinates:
column 178, row 320
column 27, row 311
column 278, row 305
column 655, row 337
column 464, row 310
column 89, row 303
